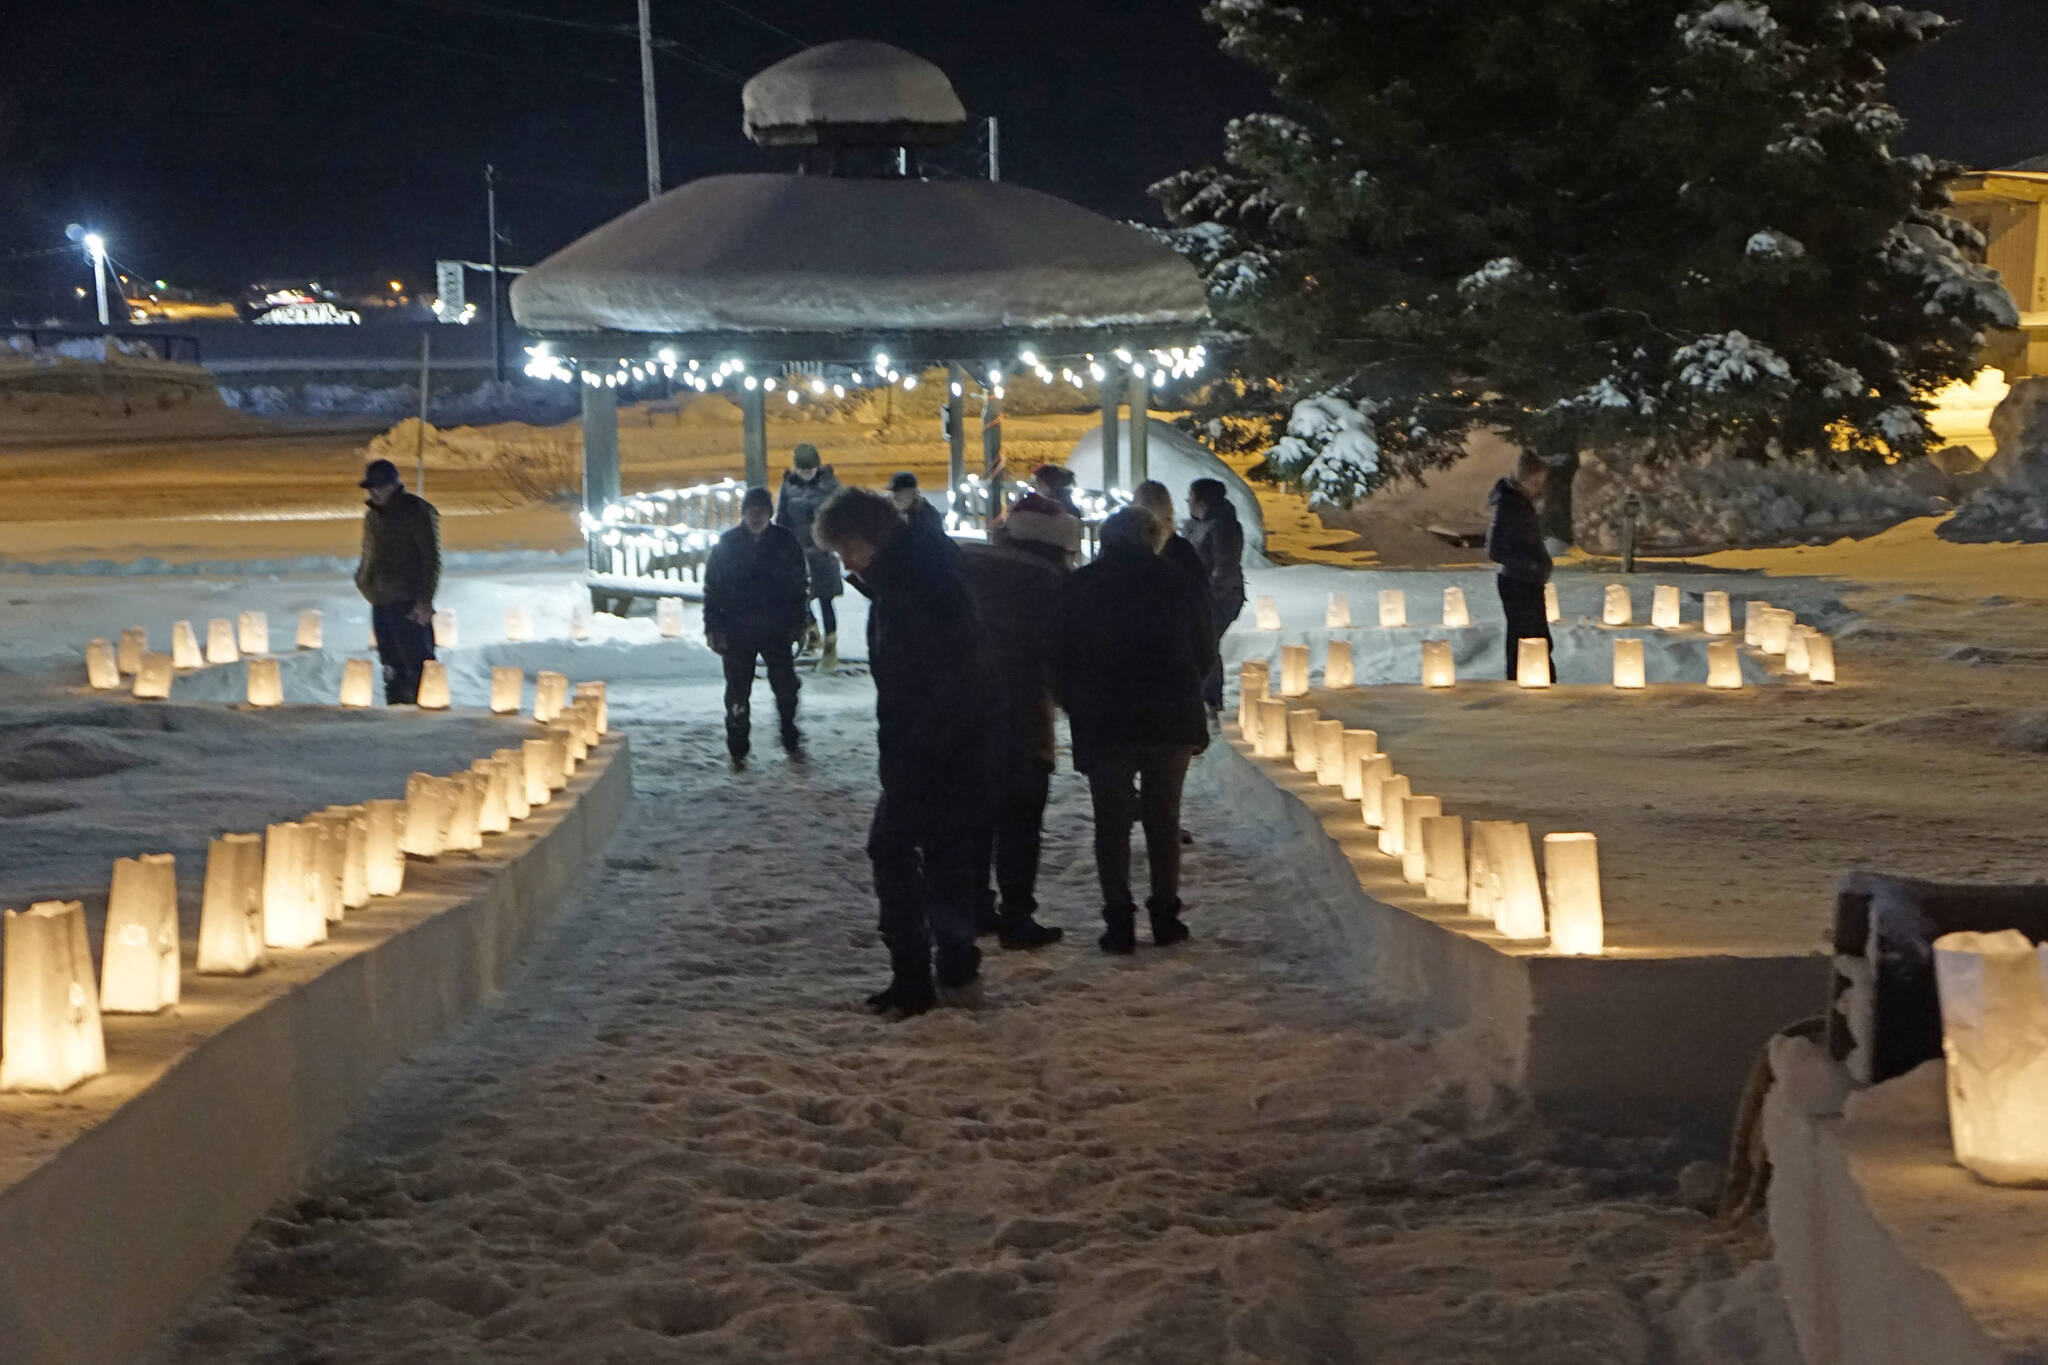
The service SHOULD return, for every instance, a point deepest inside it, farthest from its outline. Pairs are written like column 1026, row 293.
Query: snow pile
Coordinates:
column 92, row 350
column 850, row 84
column 1176, row 459
column 1716, row 503
column 493, row 447
column 90, row 379
column 822, row 254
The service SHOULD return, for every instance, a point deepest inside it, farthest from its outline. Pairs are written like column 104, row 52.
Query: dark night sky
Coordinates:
column 220, row 140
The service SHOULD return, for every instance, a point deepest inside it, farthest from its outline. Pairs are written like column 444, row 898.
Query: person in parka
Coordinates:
column 1017, row 594
column 1514, row 541
column 1132, row 644
column 755, row 589
column 1218, row 537
column 398, row 574
column 925, row 650
column 805, row 486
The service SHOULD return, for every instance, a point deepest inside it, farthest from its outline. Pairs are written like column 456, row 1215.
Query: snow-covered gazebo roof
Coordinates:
column 811, row 267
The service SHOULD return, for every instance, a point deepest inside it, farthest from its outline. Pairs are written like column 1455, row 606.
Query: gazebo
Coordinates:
column 852, row 270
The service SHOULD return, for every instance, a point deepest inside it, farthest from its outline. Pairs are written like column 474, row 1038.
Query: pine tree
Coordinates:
column 1669, row 226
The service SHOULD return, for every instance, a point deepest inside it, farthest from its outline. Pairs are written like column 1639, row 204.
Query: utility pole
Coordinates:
column 497, row 331
column 96, row 247
column 647, row 100
column 419, row 445
column 995, row 149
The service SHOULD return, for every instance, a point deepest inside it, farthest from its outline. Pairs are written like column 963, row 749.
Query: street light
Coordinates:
column 96, row 248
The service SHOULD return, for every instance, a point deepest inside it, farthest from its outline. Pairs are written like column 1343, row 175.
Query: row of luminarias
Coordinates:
column 1492, row 873
column 278, row 891
column 1158, row 366
column 247, row 640
column 1769, row 630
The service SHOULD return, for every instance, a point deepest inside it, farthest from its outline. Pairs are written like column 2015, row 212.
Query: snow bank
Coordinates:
column 1176, row 459
column 1709, row 503
column 807, row 255
column 1889, row 1252
column 491, row 401
column 213, row 1111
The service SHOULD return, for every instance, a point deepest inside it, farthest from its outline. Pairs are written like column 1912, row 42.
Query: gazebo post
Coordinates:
column 992, row 450
column 754, row 435
column 1112, row 406
column 956, row 434
column 600, row 447
column 1141, row 434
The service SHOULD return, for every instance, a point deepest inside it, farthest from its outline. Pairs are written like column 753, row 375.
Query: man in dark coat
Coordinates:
column 804, row 489
column 398, row 575
column 1131, row 647
column 931, row 730
column 1218, row 537
column 1515, row 542
column 755, row 588
column 1017, row 594
column 911, row 502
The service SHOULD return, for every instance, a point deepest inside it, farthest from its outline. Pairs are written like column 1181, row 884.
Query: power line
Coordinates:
column 469, row 53
column 760, row 22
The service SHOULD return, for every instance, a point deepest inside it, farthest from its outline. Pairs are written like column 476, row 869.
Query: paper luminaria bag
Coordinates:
column 50, row 1033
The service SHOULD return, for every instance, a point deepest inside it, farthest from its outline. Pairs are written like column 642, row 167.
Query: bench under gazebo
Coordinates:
column 851, row 271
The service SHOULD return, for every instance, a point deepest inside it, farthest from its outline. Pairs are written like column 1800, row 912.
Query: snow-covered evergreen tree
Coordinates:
column 1676, row 226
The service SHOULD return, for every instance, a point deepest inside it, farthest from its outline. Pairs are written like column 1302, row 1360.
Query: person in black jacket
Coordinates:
column 1017, row 594
column 925, row 650
column 910, row 501
column 1515, row 542
column 1155, row 498
column 1132, row 644
column 1218, row 537
column 398, row 574
column 755, row 593
column 804, row 489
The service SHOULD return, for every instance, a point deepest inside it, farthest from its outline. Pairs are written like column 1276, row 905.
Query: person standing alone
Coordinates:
column 398, row 574
column 804, row 490
column 1132, row 644
column 925, row 649
column 755, row 590
column 1218, row 537
column 1515, row 542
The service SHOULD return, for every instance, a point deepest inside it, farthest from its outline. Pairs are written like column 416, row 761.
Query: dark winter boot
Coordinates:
column 907, row 995
column 792, row 739
column 1018, row 930
column 1167, row 928
column 1121, row 935
column 738, row 736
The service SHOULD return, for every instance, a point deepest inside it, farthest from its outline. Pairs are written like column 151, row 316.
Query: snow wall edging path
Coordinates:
column 1624, row 1044
column 102, row 1245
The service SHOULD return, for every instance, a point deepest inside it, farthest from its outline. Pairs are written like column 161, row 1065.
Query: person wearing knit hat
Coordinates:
column 755, row 590
column 804, row 490
column 910, row 501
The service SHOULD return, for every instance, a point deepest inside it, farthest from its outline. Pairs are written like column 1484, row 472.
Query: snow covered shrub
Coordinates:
column 1329, row 449
column 1717, row 502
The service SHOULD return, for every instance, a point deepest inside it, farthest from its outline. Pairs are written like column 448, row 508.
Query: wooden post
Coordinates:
column 1112, row 409
column 754, row 407
column 1141, row 433
column 992, row 450
column 600, row 447
column 956, row 435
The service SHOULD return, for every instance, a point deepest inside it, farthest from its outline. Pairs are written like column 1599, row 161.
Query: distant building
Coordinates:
column 2007, row 207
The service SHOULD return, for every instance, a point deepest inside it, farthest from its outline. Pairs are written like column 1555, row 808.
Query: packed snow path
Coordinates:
column 681, row 1138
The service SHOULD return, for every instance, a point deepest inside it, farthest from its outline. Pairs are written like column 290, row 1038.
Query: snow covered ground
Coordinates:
column 681, row 1138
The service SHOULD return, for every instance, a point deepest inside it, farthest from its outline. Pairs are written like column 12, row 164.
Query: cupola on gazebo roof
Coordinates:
column 852, row 93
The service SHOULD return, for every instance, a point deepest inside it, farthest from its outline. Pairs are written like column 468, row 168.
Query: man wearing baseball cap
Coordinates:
column 397, row 576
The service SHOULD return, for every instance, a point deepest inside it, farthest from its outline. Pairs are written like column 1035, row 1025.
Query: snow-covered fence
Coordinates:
column 656, row 544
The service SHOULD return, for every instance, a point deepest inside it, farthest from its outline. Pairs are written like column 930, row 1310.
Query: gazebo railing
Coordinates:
column 656, row 544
